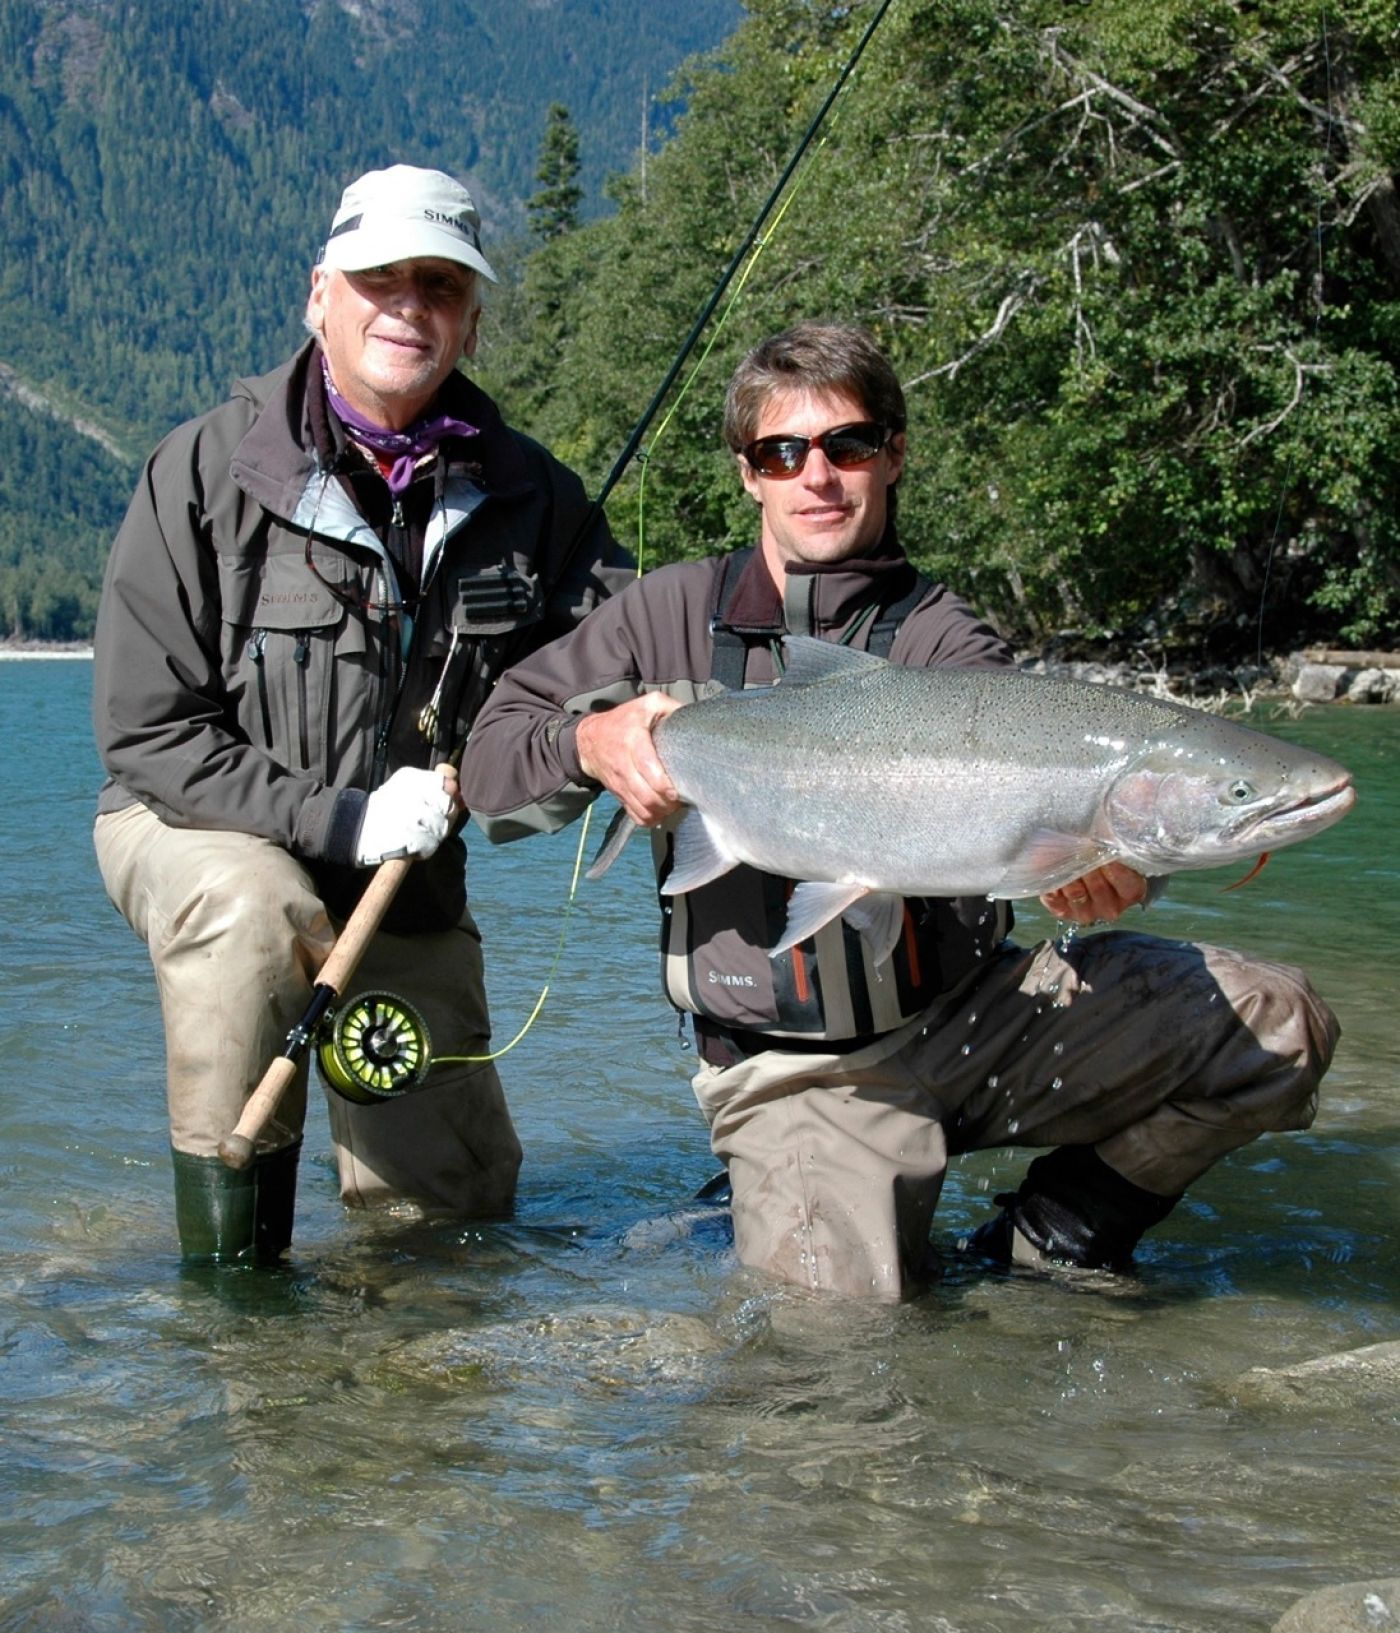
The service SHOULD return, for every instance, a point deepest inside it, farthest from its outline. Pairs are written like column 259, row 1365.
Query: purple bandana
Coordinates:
column 405, row 447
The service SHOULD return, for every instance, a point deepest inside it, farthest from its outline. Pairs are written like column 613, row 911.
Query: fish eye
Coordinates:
column 1240, row 792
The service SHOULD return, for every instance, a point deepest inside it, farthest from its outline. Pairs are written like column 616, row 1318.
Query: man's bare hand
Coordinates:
column 1099, row 897
column 615, row 749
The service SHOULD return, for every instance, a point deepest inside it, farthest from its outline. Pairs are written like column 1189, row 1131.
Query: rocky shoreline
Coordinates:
column 1317, row 675
column 45, row 649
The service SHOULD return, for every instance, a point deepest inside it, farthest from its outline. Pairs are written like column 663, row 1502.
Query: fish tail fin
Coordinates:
column 620, row 830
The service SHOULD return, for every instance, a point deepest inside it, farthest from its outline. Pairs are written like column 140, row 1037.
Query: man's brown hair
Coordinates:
column 824, row 358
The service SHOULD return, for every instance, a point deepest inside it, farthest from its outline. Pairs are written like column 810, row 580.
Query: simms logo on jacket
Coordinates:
column 719, row 978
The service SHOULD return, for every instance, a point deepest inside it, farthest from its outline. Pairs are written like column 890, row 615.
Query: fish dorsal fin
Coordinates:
column 813, row 903
column 620, row 830
column 697, row 856
column 808, row 661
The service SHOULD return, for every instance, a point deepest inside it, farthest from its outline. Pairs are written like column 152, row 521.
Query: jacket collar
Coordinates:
column 819, row 598
column 282, row 452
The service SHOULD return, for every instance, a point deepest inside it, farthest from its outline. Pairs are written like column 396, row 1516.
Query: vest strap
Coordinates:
column 732, row 643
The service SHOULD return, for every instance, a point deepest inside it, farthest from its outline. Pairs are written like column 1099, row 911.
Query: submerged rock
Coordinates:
column 1351, row 1607
column 1347, row 1378
column 606, row 1347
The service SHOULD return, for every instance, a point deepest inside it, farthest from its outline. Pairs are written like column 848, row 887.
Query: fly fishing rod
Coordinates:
column 374, row 1048
column 378, row 1047
column 634, row 441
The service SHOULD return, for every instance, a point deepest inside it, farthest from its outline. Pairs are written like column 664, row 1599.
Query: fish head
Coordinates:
column 1232, row 793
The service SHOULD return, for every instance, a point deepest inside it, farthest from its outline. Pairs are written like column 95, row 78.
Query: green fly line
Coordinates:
column 554, row 965
column 644, row 457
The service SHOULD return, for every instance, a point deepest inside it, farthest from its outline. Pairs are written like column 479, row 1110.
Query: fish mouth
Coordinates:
column 1318, row 810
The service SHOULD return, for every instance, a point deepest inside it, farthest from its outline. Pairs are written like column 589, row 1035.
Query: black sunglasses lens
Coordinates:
column 852, row 444
column 777, row 456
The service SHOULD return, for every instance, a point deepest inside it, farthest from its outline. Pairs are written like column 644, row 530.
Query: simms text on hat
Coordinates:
column 402, row 213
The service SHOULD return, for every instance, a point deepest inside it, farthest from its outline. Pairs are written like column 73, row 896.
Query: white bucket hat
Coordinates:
column 403, row 212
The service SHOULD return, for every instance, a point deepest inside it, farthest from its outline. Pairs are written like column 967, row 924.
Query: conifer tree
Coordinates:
column 554, row 209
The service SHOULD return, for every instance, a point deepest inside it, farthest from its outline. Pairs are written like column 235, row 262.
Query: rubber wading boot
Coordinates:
column 231, row 1216
column 1071, row 1208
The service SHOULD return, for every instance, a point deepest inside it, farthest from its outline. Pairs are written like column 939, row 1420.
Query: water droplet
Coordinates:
column 1013, row 1126
column 966, row 1049
column 1059, row 1049
column 1057, row 1082
column 993, row 1080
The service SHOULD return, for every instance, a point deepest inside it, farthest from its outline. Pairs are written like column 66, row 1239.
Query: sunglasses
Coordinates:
column 844, row 446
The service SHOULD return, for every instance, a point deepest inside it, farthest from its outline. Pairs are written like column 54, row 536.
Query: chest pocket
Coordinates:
column 284, row 629
column 483, row 613
column 495, row 600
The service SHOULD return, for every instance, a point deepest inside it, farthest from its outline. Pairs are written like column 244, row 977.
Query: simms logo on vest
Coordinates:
column 718, row 978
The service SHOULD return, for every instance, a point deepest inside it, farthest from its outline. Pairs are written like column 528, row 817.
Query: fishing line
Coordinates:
column 751, row 243
column 644, row 455
column 688, row 345
column 549, row 978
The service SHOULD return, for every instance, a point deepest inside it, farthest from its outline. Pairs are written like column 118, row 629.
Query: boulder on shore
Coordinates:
column 1319, row 682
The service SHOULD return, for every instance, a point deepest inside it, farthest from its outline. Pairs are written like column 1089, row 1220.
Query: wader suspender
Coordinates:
column 732, row 643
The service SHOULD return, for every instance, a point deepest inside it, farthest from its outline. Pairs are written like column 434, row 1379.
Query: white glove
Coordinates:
column 408, row 816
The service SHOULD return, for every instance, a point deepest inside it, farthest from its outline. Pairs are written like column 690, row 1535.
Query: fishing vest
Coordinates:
column 825, row 991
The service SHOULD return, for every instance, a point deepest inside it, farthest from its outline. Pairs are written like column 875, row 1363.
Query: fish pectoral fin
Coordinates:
column 879, row 918
column 1051, row 859
column 620, row 830
column 813, row 903
column 697, row 857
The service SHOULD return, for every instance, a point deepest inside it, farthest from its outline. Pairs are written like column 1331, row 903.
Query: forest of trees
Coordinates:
column 1138, row 266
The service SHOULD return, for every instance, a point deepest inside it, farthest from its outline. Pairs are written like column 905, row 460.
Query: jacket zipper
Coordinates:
column 257, row 658
column 301, row 656
column 392, row 665
column 389, row 661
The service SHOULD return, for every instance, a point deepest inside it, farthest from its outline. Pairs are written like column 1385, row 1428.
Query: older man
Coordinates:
column 313, row 589
column 835, row 1092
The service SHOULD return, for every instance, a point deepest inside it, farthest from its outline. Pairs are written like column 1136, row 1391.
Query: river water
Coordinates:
column 588, row 1418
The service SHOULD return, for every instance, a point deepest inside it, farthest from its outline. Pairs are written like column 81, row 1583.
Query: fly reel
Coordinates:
column 375, row 1048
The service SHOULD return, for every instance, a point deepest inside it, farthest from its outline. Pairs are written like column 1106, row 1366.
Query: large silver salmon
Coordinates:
column 870, row 782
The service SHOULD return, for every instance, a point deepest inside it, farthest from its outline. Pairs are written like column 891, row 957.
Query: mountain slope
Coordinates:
column 168, row 169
